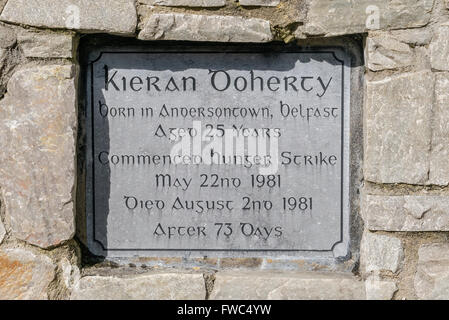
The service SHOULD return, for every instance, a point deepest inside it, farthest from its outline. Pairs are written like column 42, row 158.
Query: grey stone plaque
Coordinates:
column 230, row 154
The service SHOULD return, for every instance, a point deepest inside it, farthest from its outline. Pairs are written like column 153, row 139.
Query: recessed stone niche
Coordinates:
column 82, row 113
column 211, row 155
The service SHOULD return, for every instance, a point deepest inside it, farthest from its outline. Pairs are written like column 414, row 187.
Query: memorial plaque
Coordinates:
column 237, row 153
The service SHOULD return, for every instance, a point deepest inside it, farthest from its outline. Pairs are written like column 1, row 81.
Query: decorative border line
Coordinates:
column 91, row 63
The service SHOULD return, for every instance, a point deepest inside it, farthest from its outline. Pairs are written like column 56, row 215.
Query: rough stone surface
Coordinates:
column 439, row 157
column 46, row 45
column 386, row 52
column 164, row 286
column 283, row 286
column 432, row 275
column 439, row 49
column 400, row 14
column 380, row 253
column 70, row 273
column 406, row 213
column 415, row 37
column 24, row 275
column 205, row 28
column 3, row 53
column 379, row 289
column 3, row 57
column 355, row 16
column 37, row 153
column 112, row 16
column 7, row 40
column 2, row 4
column 186, row 3
column 7, row 37
column 2, row 232
column 265, row 3
column 398, row 128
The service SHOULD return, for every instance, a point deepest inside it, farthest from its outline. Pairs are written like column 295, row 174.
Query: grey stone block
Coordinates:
column 37, row 176
column 439, row 48
column 111, row 16
column 282, row 286
column 262, row 3
column 439, row 157
column 178, row 26
column 398, row 128
column 337, row 17
column 432, row 275
column 386, row 52
column 7, row 36
column 185, row 3
column 380, row 253
column 157, row 286
column 406, row 213
column 46, row 45
column 377, row 289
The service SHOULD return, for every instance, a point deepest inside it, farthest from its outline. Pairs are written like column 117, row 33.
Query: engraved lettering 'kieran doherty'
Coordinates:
column 240, row 153
column 218, row 80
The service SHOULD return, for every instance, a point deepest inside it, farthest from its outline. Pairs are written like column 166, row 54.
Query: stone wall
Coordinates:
column 404, row 251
